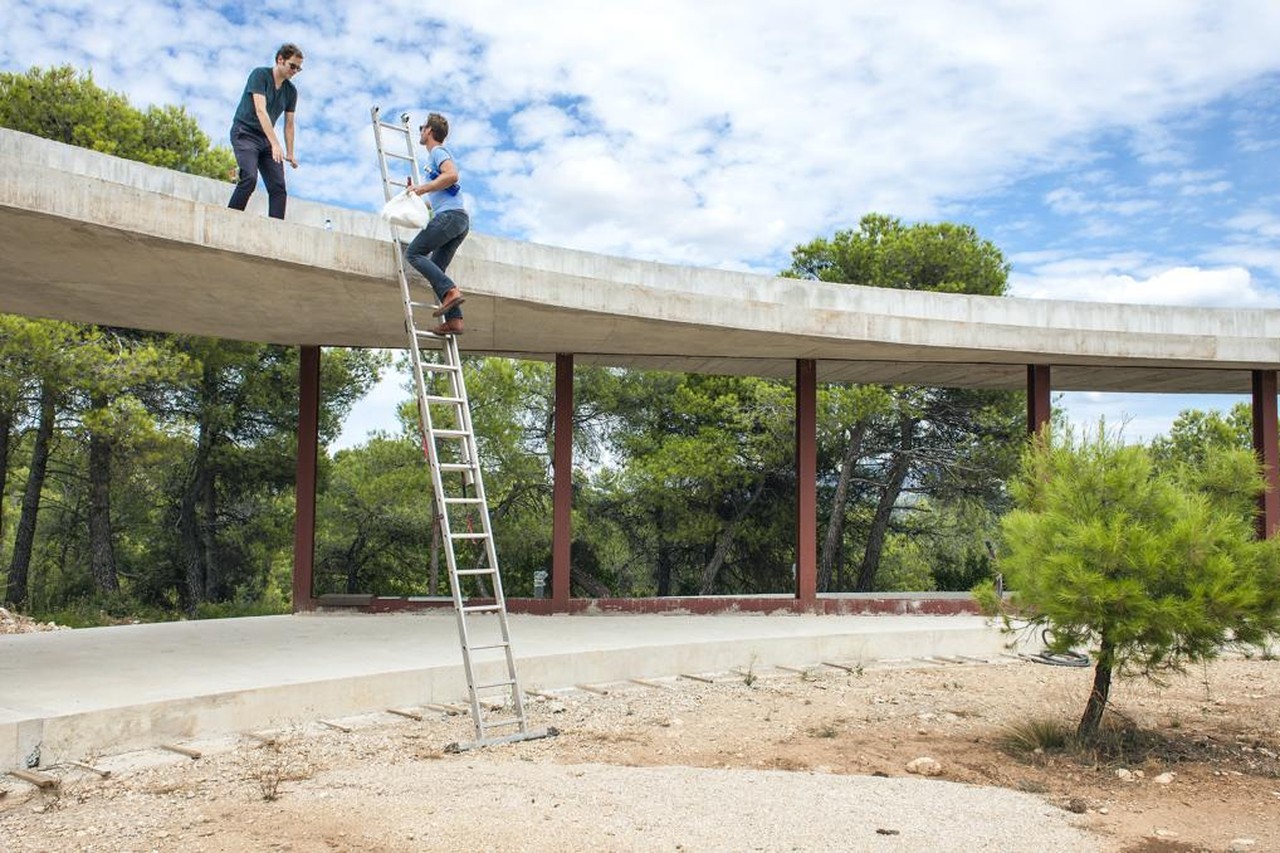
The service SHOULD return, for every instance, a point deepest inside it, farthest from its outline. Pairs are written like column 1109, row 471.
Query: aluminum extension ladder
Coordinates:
column 449, row 444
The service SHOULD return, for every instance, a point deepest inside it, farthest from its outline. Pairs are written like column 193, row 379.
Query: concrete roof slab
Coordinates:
column 90, row 238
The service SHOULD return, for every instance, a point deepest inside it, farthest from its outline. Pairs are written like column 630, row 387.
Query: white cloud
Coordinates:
column 1221, row 287
column 699, row 115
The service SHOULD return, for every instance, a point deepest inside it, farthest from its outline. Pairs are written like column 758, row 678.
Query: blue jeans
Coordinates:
column 433, row 248
column 253, row 155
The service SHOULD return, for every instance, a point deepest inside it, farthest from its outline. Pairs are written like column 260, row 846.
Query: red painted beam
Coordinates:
column 1268, row 450
column 304, row 523
column 919, row 604
column 806, row 480
column 562, row 487
column 1039, row 405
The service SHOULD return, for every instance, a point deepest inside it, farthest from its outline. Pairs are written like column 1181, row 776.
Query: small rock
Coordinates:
column 1166, row 833
column 1240, row 845
column 1104, row 810
column 1124, row 775
column 1075, row 805
column 925, row 766
column 1163, row 779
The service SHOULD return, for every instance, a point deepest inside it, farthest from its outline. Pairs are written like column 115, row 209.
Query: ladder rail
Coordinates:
column 461, row 431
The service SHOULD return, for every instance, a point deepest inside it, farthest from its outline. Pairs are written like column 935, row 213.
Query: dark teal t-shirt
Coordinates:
column 282, row 100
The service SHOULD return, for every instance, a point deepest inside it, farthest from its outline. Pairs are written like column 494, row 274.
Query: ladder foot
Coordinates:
column 533, row 734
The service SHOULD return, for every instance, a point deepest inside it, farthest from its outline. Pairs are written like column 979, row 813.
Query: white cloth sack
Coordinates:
column 408, row 210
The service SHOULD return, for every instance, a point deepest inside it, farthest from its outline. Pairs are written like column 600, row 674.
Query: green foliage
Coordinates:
column 62, row 104
column 374, row 524
column 1194, row 433
column 1152, row 568
column 883, row 252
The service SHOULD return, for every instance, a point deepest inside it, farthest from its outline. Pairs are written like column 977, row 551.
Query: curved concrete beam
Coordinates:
column 92, row 238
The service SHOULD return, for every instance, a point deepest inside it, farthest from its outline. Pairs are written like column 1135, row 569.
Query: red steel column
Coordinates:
column 1039, row 407
column 304, row 514
column 806, row 480
column 562, row 488
column 1268, row 450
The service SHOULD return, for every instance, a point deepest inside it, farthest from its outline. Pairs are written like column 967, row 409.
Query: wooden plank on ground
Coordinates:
column 105, row 774
column 541, row 695
column 591, row 688
column 451, row 710
column 845, row 667
column 644, row 682
column 193, row 754
column 35, row 777
column 413, row 715
column 333, row 725
column 704, row 679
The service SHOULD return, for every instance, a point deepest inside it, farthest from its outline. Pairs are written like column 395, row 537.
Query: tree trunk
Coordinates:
column 1098, row 694
column 102, row 554
column 195, row 557
column 898, row 470
column 726, row 540
column 6, row 428
column 833, row 544
column 664, row 556
column 354, row 562
column 593, row 586
column 24, row 539
column 193, row 560
column 214, row 587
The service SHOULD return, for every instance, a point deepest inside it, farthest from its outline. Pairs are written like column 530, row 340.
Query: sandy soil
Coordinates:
column 762, row 759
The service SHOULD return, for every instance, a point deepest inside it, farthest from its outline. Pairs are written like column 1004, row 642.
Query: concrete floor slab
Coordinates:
column 69, row 694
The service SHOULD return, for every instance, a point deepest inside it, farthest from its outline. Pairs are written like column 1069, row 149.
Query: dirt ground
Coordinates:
column 1196, row 768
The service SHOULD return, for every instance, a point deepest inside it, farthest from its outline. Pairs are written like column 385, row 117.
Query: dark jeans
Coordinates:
column 253, row 155
column 433, row 248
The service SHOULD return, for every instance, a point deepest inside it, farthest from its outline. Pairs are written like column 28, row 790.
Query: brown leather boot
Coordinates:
column 451, row 300
column 449, row 327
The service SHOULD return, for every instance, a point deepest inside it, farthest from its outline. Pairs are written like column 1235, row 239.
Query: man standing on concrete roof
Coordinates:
column 433, row 248
column 268, row 93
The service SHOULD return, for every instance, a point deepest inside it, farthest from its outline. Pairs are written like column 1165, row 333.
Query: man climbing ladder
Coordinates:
column 449, row 443
column 433, row 248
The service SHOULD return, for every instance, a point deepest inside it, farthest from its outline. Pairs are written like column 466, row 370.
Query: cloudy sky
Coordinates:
column 1119, row 151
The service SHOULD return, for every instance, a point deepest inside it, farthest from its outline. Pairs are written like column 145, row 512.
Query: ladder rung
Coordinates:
column 400, row 128
column 435, row 367
column 491, row 685
column 450, row 433
column 488, row 646
column 397, row 156
column 452, row 401
column 457, row 466
column 482, row 608
column 462, row 500
column 468, row 535
column 493, row 724
column 475, row 572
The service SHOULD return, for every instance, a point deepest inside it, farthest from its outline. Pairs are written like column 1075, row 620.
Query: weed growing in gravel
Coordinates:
column 1030, row 736
column 272, row 764
column 828, row 729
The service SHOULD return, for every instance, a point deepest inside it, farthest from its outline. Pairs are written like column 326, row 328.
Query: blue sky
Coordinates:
column 1115, row 151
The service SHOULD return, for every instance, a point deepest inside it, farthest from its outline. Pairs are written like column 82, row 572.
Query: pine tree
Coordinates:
column 1151, row 567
